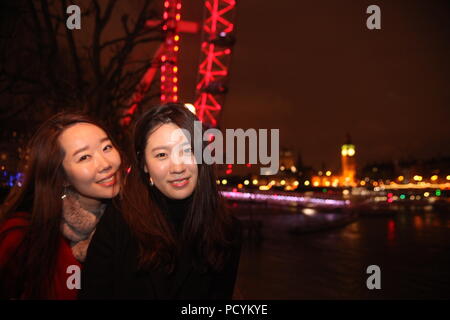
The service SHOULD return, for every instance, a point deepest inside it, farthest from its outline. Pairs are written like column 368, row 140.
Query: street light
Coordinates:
column 190, row 107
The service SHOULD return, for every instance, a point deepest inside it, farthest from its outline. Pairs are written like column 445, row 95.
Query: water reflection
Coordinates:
column 391, row 231
column 331, row 263
column 418, row 223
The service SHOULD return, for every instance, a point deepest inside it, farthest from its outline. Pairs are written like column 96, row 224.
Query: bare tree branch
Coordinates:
column 37, row 27
column 96, row 42
column 117, row 62
column 12, row 112
column 73, row 51
column 55, row 68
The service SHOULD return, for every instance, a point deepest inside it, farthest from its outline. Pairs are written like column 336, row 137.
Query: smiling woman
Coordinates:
column 170, row 163
column 91, row 163
column 173, row 238
column 47, row 222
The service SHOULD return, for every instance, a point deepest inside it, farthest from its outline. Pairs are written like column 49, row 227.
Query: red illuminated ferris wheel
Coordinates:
column 215, row 57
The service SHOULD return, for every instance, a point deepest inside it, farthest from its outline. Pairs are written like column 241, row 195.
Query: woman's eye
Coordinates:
column 161, row 155
column 108, row 147
column 82, row 158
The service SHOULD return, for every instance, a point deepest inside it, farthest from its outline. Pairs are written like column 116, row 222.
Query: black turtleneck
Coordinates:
column 176, row 212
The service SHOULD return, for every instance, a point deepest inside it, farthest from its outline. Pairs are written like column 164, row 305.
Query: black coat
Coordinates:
column 110, row 270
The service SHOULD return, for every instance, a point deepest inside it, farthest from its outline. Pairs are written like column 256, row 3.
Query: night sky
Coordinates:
column 314, row 70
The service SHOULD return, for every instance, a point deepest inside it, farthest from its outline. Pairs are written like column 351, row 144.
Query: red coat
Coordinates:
column 15, row 232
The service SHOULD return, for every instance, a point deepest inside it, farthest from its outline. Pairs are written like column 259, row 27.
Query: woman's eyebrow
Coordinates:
column 168, row 147
column 160, row 147
column 80, row 150
column 87, row 147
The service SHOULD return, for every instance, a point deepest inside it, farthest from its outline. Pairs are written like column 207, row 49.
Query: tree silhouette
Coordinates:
column 46, row 68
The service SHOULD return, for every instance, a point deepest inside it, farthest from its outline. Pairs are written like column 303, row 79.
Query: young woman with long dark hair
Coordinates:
column 48, row 220
column 173, row 238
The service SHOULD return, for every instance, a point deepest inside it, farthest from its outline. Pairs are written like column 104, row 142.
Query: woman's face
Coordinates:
column 170, row 162
column 91, row 163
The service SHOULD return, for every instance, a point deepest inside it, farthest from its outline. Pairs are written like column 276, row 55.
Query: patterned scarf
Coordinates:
column 78, row 224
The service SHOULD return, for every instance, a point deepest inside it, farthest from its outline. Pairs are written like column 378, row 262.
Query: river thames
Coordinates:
column 412, row 249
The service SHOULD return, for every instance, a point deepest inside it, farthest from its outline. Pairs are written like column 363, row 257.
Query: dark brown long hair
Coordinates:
column 39, row 194
column 207, row 227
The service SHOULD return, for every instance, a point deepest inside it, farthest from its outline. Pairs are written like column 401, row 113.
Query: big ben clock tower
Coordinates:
column 348, row 163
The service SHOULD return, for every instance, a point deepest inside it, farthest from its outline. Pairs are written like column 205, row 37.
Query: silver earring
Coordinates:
column 151, row 182
column 64, row 193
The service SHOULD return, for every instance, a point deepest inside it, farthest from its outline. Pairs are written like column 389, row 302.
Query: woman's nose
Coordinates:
column 177, row 165
column 103, row 164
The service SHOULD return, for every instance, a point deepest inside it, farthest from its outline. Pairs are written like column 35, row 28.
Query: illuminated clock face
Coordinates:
column 351, row 152
column 348, row 150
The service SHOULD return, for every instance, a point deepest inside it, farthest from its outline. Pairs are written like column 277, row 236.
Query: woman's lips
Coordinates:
column 179, row 183
column 108, row 182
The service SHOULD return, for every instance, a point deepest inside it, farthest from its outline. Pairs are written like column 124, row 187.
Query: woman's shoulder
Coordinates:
column 12, row 232
column 112, row 215
column 112, row 222
column 18, row 220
